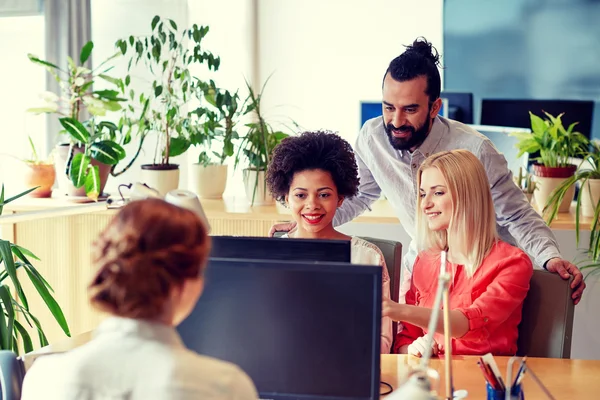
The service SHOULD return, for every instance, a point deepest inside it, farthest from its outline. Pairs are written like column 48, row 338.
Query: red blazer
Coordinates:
column 492, row 300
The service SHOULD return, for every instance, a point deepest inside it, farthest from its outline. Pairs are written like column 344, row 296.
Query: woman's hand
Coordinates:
column 419, row 346
column 390, row 308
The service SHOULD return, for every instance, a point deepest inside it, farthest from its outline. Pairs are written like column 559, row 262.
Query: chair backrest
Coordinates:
column 547, row 323
column 12, row 373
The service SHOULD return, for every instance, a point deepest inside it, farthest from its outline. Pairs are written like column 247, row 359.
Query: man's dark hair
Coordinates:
column 419, row 59
column 308, row 151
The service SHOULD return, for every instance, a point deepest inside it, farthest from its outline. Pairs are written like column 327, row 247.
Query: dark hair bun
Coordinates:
column 424, row 48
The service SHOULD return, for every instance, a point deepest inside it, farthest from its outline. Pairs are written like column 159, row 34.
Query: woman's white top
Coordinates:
column 134, row 360
column 366, row 253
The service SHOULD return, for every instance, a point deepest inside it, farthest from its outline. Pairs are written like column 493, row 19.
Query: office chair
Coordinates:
column 12, row 372
column 392, row 253
column 547, row 323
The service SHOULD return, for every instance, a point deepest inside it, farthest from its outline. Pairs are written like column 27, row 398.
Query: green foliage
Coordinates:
column 554, row 143
column 257, row 145
column 590, row 169
column 216, row 124
column 169, row 54
column 13, row 258
column 102, row 141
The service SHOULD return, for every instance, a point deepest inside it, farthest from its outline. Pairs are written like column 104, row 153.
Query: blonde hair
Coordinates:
column 472, row 230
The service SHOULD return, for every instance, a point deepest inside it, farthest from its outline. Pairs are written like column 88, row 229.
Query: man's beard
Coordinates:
column 416, row 138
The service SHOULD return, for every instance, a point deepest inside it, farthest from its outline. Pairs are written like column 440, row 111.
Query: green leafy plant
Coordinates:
column 12, row 259
column 554, row 143
column 589, row 169
column 260, row 139
column 162, row 107
column 525, row 181
column 216, row 129
column 98, row 141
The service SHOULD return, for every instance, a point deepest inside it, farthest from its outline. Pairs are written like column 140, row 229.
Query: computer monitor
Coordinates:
column 269, row 248
column 513, row 112
column 300, row 330
column 460, row 106
column 506, row 144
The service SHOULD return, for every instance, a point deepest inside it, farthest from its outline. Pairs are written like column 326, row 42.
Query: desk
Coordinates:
column 565, row 379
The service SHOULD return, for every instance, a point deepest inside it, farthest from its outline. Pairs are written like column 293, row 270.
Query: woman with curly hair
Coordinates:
column 312, row 174
column 150, row 261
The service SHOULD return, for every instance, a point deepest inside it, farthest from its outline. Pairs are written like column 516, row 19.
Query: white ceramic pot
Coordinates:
column 545, row 187
column 162, row 178
column 256, row 188
column 590, row 196
column 210, row 181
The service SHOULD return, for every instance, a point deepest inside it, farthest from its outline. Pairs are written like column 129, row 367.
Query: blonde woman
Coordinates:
column 490, row 278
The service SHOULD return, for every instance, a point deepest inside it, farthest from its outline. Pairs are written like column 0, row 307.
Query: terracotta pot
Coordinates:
column 161, row 177
column 64, row 181
column 41, row 175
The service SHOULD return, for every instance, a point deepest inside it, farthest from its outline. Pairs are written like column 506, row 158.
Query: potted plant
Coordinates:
column 526, row 183
column 256, row 148
column 556, row 146
column 588, row 198
column 40, row 173
column 214, row 135
column 13, row 300
column 84, row 162
column 166, row 55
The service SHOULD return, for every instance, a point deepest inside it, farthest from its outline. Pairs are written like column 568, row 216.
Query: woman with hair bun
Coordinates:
column 150, row 261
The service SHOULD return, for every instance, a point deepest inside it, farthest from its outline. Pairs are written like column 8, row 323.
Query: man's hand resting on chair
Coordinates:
column 282, row 227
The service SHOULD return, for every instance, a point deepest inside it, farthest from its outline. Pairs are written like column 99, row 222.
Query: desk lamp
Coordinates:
column 418, row 386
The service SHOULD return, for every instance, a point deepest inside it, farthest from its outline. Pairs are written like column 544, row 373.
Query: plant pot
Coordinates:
column 64, row 182
column 41, row 175
column 161, row 177
column 209, row 181
column 547, row 179
column 256, row 188
column 590, row 196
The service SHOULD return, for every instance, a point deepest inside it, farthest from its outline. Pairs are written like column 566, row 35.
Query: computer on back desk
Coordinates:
column 300, row 330
column 280, row 248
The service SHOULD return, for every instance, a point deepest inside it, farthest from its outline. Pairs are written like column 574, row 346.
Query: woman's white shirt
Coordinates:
column 135, row 359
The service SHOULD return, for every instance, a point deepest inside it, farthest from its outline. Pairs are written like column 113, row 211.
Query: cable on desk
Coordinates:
column 388, row 386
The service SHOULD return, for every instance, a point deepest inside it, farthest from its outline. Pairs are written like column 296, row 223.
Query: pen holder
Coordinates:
column 497, row 394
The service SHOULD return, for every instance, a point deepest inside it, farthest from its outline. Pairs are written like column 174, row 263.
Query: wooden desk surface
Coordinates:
column 565, row 379
column 239, row 209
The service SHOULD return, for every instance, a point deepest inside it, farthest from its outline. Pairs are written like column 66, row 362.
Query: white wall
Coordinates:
column 327, row 56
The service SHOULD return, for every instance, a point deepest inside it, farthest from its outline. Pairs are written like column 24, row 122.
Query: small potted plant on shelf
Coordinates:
column 13, row 299
column 84, row 161
column 162, row 108
column 526, row 183
column 40, row 173
column 256, row 148
column 588, row 198
column 214, row 135
column 556, row 146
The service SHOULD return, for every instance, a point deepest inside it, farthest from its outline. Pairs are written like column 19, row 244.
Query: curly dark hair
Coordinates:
column 313, row 150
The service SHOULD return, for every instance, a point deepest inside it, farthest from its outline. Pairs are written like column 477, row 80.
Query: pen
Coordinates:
column 520, row 372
